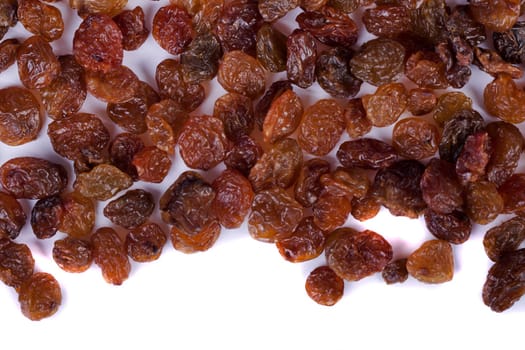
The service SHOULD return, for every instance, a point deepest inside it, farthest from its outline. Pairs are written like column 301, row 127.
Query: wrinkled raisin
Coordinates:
column 37, row 64
column 116, row 86
column 357, row 124
column 122, row 150
column 386, row 104
column 46, row 216
column 16, row 263
column 395, row 271
column 78, row 217
column 305, row 243
column 331, row 210
column 145, row 242
column 324, row 286
column 109, row 254
column 432, row 262
column 243, row 155
column 236, row 113
column 366, row 153
column 133, row 28
column 440, row 187
column 41, row 19
column 283, row 117
column 40, row 296
column 483, row 203
column 72, row 254
column 333, row 73
column 102, row 182
column 8, row 49
column 415, row 138
column 172, row 29
column 504, row 99
column 421, row 101
column 130, row 210
column 152, row 164
column 271, row 48
column 308, row 186
column 241, row 73
column 300, row 58
column 13, row 217
column 463, row 123
column 504, row 238
column 454, row 227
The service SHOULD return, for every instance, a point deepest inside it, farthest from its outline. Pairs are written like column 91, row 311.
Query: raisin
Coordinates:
column 300, row 58
column 387, row 20
column 67, row 92
column 41, row 19
column 512, row 193
column 308, row 186
column 331, row 210
column 170, row 80
column 506, row 143
column 283, row 117
column 122, row 150
column 172, row 29
column 386, row 104
column 97, row 44
column 116, row 86
column 432, row 262
column 8, row 49
column 37, row 64
column 366, row 153
column 305, row 243
column 130, row 210
column 161, row 133
column 504, row 99
column 324, row 286
column 16, row 263
column 152, row 164
column 440, row 187
column 272, row 10
column 428, row 20
column 495, row 15
column 21, row 116
column 379, row 61
column 510, row 43
column 207, row 18
column 504, row 238
column 463, row 123
column 460, row 22
column 483, row 203
column 109, row 254
column 200, row 61
column 243, row 155
column 271, row 48
column 242, row 74
column 490, row 62
column 397, row 187
column 333, row 73
column 415, row 138
column 198, row 242
column 421, row 101
column 172, row 113
column 349, row 182
column 145, row 243
column 365, row 208
column 40, row 296
column 357, row 124
column 87, row 7
column 236, row 113
column 474, row 157
column 263, row 106
column 13, row 217
column 274, row 215
column 191, row 6
column 46, row 216
column 133, row 28
column 233, row 198
column 78, row 217
column 102, row 182
column 355, row 255
column 395, row 271
column 277, row 167
column 73, row 255
column 504, row 285
column 448, row 104
column 427, row 70
column 454, row 227
column 8, row 15
column 313, row 5
column 322, row 126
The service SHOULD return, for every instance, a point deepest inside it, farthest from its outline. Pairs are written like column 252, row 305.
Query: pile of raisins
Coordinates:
column 295, row 169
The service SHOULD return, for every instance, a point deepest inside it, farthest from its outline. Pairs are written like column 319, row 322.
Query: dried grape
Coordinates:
column 145, row 242
column 130, row 210
column 109, row 254
column 72, row 254
column 172, row 29
column 46, row 216
column 12, row 217
column 152, row 164
column 40, row 296
column 16, row 263
column 432, row 262
column 324, row 286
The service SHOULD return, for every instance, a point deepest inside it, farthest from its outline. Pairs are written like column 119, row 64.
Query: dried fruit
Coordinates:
column 305, row 243
column 454, row 227
column 489, row 61
column 271, row 48
column 263, row 106
column 87, row 7
column 116, row 86
column 109, row 254
column 504, row 238
column 78, row 217
column 357, row 124
column 441, row 189
column 152, row 164
column 133, row 28
column 37, row 64
column 427, row 70
column 395, row 271
column 200, row 60
column 513, row 194
column 506, row 143
column 241, row 73
column 72, row 254
column 8, row 49
column 495, row 15
column 16, row 263
column 421, row 101
column 102, row 182
column 349, row 182
column 504, row 99
column 300, row 58
column 283, row 117
column 130, row 210
column 432, row 262
column 308, row 186
column 41, row 19
column 365, row 208
column 415, row 138
column 331, row 210
column 324, row 286
column 509, row 43
column 366, row 153
column 236, row 113
column 122, row 150
column 161, row 133
column 272, row 10
column 172, row 29
column 474, row 157
column 172, row 113
column 145, row 242
column 21, row 116
column 333, row 73
column 387, row 20
column 13, row 217
column 243, row 155
column 463, row 123
column 46, row 216
column 483, row 203
column 40, row 296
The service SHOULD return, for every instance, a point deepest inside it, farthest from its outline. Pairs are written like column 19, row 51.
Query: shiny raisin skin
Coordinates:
column 40, row 296
column 454, row 227
column 386, row 104
column 506, row 143
column 509, row 44
column 483, row 203
column 37, row 64
column 236, row 113
column 78, row 218
column 13, row 216
column 272, row 10
column 357, row 124
column 505, row 285
column 355, row 255
column 283, row 117
column 152, row 164
column 512, row 193
column 349, row 182
column 427, row 70
column 73, row 255
column 116, row 86
column 463, row 123
column 271, row 48
column 87, row 7
column 102, row 182
column 366, row 153
column 395, row 271
column 145, row 243
column 504, row 99
column 16, row 263
column 300, row 58
column 492, row 63
column 448, row 104
column 172, row 29
column 331, row 210
column 275, row 214
column 46, row 216
column 333, row 73
column 20, row 116
column 199, row 242
column 233, row 198
column 161, row 133
column 387, row 20
column 130, row 210
column 322, row 126
column 263, row 106
column 474, row 157
column 97, row 44
column 133, row 28
column 441, row 189
column 432, row 262
column 200, row 60
column 415, row 138
column 365, row 208
column 305, row 243
column 171, row 112
column 504, row 238
column 496, row 15
column 41, row 19
column 308, row 186
column 243, row 155
column 8, row 50
column 421, row 101
column 242, row 74
column 122, row 150
column 109, row 254
column 324, row 286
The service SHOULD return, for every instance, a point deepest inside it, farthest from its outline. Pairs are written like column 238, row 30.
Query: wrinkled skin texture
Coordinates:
column 21, row 116
column 271, row 48
column 504, row 99
column 331, row 211
column 32, row 178
column 243, row 155
column 474, row 157
column 387, row 20
column 366, row 153
column 421, row 101
column 12, row 216
column 395, row 272
column 161, row 133
column 300, row 58
column 46, row 216
column 241, row 73
column 41, row 19
column 308, row 186
column 152, row 164
column 122, row 150
column 16, row 263
column 349, row 182
column 507, row 145
column 324, row 286
column 236, row 113
column 491, row 62
column 463, row 123
column 357, row 124
column 145, row 243
column 133, row 28
column 109, row 254
column 40, row 296
column 386, row 104
column 454, row 227
column 283, row 117
column 130, row 210
column 78, row 218
column 233, row 199
column 272, row 10
column 275, row 214
column 355, row 255
column 432, row 262
column 8, row 50
column 365, row 208
column 483, row 202
column 116, row 86
column 102, row 182
column 441, row 189
column 263, row 106
column 193, row 243
column 448, row 104
column 427, row 70
column 504, row 238
column 305, row 243
column 37, row 64
column 505, row 282
column 172, row 113
column 200, row 60
column 109, row 7
column 510, row 44
column 172, row 29
column 513, row 194
column 428, row 20
column 73, row 255
column 415, row 138
column 496, row 15
column 333, row 73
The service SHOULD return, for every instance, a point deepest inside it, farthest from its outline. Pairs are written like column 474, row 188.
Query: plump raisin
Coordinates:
column 236, row 113
column 200, row 60
column 463, row 123
column 122, row 150
column 365, row 208
column 243, row 155
column 506, row 142
column 379, row 61
column 324, row 286
column 207, row 17
column 133, row 28
column 513, row 194
column 331, row 210
column 395, row 271
column 8, row 49
column 483, row 203
column 72, row 254
column 357, row 124
column 272, row 10
column 13, row 217
column 172, row 29
column 16, row 263
column 313, row 5
column 474, row 157
column 145, row 242
column 386, row 104
column 496, row 15
column 275, row 215
column 37, row 64
column 421, row 101
column 440, row 187
column 152, row 164
column 428, row 20
column 241, row 73
column 97, row 44
column 263, row 106
column 116, row 86
column 300, row 58
column 271, row 48
column 21, row 116
column 305, row 243
column 333, row 73
column 78, row 217
column 387, row 20
column 41, row 19
column 279, row 166
column 109, row 254
column 504, row 238
column 366, row 153
column 172, row 113
column 130, row 210
column 415, row 138
column 355, row 255
column 322, row 126
column 432, row 262
column 308, row 186
column 233, row 198
column 427, row 70
column 46, row 216
column 102, row 182
column 454, row 227
column 349, row 182
column 505, row 285
column 283, row 117
column 40, row 296
column 87, row 7
column 504, row 99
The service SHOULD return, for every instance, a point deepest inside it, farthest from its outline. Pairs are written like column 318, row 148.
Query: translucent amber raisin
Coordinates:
column 432, row 262
column 145, row 242
column 40, row 296
column 324, row 286
column 72, row 254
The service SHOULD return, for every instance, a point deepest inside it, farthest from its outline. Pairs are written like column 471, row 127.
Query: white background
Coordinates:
column 241, row 294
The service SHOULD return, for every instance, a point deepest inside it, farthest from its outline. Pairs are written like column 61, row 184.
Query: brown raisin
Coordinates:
column 415, row 138
column 243, row 155
column 116, row 86
column 513, row 194
column 145, row 242
column 387, row 20
column 130, row 210
column 357, row 124
column 272, row 10
column 300, row 58
column 395, row 271
column 366, row 153
column 21, row 116
column 349, row 182
column 495, row 15
column 16, row 263
column 13, row 216
column 421, row 101
column 331, row 210
column 463, row 123
column 172, row 113
column 109, row 254
column 41, row 19
column 365, row 208
column 504, row 99
column 40, row 296
column 427, row 70
column 506, row 142
column 133, row 28
column 236, row 113
column 454, row 227
column 474, row 157
column 122, row 150
column 386, row 104
column 333, row 73
column 305, row 243
column 263, row 106
column 308, row 186
column 504, row 238
column 87, row 7
column 200, row 61
column 102, row 182
column 432, row 262
column 72, row 254
column 242, row 74
column 271, row 48
column 37, row 64
column 172, row 29
column 283, row 117
column 8, row 49
column 152, row 164
column 78, row 217
column 324, row 286
column 46, row 216
column 440, row 187
column 483, row 203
